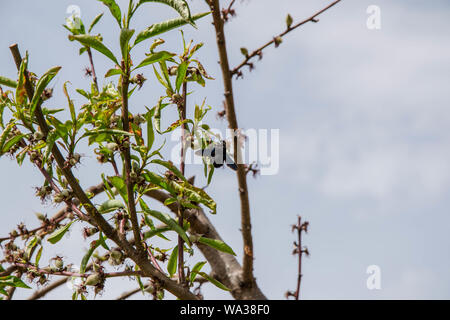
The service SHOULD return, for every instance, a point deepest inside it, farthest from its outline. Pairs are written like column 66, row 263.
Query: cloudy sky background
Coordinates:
column 364, row 138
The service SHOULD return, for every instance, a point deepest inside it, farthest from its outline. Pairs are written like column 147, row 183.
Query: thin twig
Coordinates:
column 33, row 268
column 248, row 279
column 91, row 61
column 127, row 162
column 258, row 51
column 299, row 250
column 181, row 276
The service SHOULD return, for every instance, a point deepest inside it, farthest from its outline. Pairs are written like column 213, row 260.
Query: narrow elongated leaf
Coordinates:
column 113, row 72
column 107, row 131
column 149, row 222
column 160, row 182
column 111, row 205
column 150, row 132
column 31, row 244
column 171, row 167
column 41, row 85
column 59, row 233
column 196, row 269
column 155, row 57
column 11, row 143
column 70, row 102
column 38, row 256
column 115, row 10
column 8, row 82
column 50, row 142
column 120, row 186
column 156, row 232
column 217, row 244
column 5, row 134
column 194, row 194
column 21, row 94
column 94, row 22
column 172, row 264
column 165, row 218
column 181, row 74
column 12, row 281
column 159, row 28
column 87, row 256
column 125, row 36
column 94, row 43
column 180, row 6
column 215, row 282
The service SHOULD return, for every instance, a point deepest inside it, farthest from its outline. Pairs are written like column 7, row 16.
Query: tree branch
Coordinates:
column 275, row 40
column 142, row 261
column 248, row 279
column 127, row 162
column 224, row 266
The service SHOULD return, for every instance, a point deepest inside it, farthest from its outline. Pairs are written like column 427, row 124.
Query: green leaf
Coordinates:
column 158, row 28
column 13, row 281
column 41, row 85
column 180, row 6
column 181, row 74
column 38, row 256
column 217, row 244
column 107, row 131
column 169, row 165
column 8, row 82
column 111, row 205
column 93, row 42
column 113, row 72
column 194, row 194
column 70, row 102
column 125, row 36
column 94, row 22
column 59, row 233
column 115, row 10
column 21, row 94
column 172, row 264
column 165, row 218
column 210, row 174
column 87, row 256
column 218, row 284
column 169, row 201
column 5, row 134
column 101, row 240
column 196, row 269
column 31, row 244
column 120, row 186
column 11, row 143
column 155, row 57
column 150, row 132
column 159, row 181
column 50, row 142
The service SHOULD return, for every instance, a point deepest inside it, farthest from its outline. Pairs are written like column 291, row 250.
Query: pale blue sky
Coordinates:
column 363, row 118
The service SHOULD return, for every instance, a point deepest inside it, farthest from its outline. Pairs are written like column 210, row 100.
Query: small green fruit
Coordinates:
column 58, row 263
column 93, row 279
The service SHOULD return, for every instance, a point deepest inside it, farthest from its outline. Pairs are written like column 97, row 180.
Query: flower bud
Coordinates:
column 289, row 21
column 40, row 216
